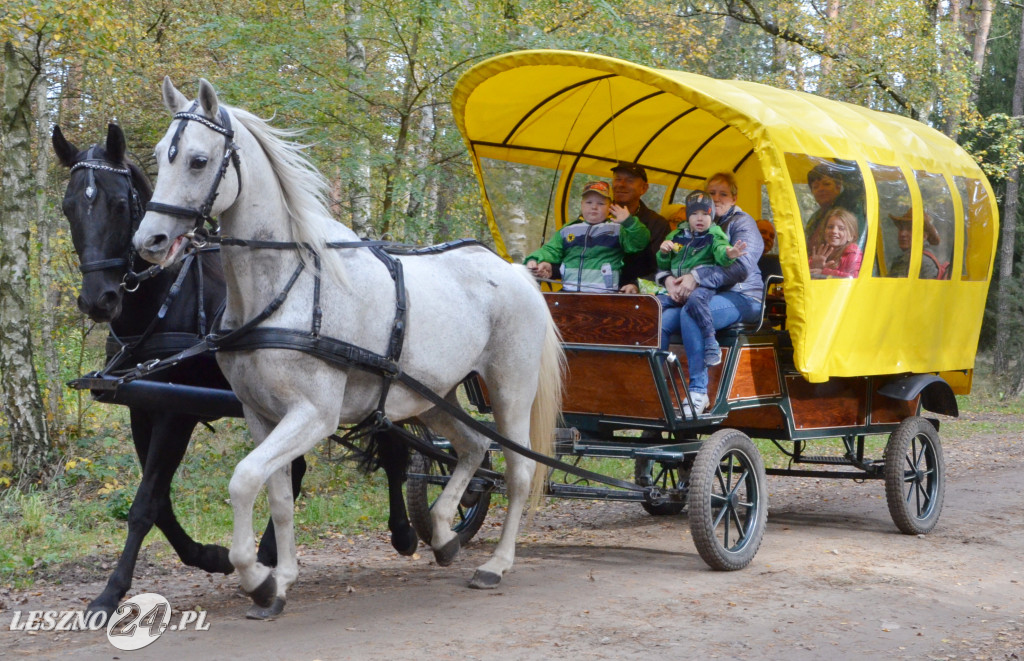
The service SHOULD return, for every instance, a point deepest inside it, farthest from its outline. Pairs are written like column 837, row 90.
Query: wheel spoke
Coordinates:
column 739, row 526
column 720, row 515
column 721, row 480
column 923, row 498
column 739, row 483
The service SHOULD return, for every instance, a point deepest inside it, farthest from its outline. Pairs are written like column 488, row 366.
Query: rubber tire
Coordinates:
column 915, row 446
column 734, row 446
column 471, row 512
column 642, row 471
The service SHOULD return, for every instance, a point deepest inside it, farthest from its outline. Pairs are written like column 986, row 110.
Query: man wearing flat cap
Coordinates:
column 629, row 183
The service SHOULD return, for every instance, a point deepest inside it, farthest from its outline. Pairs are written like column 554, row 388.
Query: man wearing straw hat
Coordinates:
column 900, row 266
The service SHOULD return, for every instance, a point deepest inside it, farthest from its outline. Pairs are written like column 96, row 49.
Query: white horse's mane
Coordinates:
column 304, row 188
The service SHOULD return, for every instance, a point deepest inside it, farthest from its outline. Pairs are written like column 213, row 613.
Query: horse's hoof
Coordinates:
column 446, row 554
column 269, row 613
column 485, row 580
column 405, row 541
column 265, row 592
column 98, row 605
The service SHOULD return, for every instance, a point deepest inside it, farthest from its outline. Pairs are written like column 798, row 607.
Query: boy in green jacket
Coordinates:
column 591, row 250
column 685, row 248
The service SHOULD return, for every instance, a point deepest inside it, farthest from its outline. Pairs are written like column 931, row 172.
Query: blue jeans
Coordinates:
column 726, row 309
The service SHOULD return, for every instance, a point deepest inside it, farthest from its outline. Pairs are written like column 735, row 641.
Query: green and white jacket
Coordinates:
column 591, row 255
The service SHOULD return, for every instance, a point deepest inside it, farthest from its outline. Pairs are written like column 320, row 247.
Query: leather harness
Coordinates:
column 251, row 335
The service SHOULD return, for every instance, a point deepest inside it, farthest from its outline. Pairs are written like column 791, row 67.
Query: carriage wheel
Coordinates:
column 915, row 481
column 421, row 493
column 668, row 476
column 728, row 500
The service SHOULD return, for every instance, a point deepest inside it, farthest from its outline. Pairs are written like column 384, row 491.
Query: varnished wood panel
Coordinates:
column 756, row 374
column 762, row 417
column 837, row 403
column 611, row 319
column 887, row 410
column 611, row 384
column 714, row 372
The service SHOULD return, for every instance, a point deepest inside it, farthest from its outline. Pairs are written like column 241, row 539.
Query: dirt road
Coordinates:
column 833, row 579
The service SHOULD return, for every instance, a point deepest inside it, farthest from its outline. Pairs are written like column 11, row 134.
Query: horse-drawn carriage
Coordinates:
column 828, row 358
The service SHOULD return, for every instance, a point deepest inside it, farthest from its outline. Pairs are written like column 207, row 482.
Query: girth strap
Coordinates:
column 338, row 352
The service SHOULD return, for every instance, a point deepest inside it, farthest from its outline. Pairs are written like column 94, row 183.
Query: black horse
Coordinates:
column 154, row 314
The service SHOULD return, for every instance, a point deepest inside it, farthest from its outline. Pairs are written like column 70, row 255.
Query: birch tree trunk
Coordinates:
column 22, row 401
column 360, row 198
column 48, row 292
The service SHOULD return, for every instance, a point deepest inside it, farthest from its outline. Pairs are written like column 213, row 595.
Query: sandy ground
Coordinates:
column 833, row 579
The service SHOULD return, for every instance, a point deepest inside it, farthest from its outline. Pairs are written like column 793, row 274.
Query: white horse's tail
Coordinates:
column 547, row 404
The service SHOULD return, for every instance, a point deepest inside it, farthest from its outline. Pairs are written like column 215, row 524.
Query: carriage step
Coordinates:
column 587, row 492
column 667, row 453
column 843, row 461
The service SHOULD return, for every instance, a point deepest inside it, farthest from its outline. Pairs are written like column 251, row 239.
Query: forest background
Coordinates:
column 371, row 82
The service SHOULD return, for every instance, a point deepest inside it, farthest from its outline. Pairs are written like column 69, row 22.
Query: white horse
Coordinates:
column 468, row 311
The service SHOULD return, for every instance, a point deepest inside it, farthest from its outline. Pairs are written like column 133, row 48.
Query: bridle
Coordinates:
column 130, row 281
column 201, row 216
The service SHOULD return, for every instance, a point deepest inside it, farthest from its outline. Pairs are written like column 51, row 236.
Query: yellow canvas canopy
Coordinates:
column 540, row 123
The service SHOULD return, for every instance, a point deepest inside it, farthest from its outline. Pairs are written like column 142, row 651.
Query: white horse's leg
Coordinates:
column 243, row 488
column 518, row 475
column 282, row 511
column 470, row 448
column 296, row 433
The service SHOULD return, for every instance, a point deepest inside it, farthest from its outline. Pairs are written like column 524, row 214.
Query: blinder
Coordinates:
column 201, row 216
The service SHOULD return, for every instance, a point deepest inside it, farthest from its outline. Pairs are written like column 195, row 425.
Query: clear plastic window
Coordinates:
column 937, row 225
column 893, row 203
column 654, row 196
column 679, row 196
column 522, row 199
column 830, row 193
column 978, row 228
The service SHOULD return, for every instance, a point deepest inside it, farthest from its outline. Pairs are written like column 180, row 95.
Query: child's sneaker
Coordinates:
column 712, row 352
column 700, row 402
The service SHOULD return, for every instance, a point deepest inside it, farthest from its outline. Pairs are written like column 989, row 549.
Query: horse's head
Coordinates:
column 193, row 158
column 103, row 204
